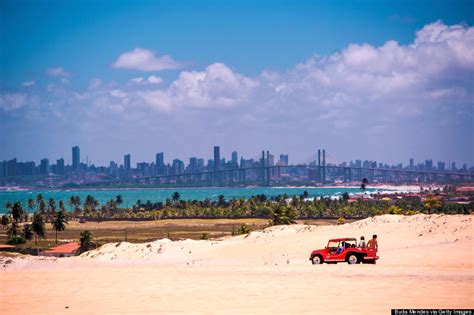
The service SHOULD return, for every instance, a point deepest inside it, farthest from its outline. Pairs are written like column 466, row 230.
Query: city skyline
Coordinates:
column 161, row 159
column 363, row 80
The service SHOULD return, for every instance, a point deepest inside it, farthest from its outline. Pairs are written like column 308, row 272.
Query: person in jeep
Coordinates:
column 372, row 244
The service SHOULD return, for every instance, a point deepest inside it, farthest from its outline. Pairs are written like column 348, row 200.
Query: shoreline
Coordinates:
column 335, row 186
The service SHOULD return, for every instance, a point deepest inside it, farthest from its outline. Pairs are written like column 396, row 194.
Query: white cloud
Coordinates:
column 57, row 72
column 28, row 83
column 151, row 80
column 145, row 60
column 154, row 79
column 12, row 101
column 118, row 93
column 217, row 86
column 137, row 80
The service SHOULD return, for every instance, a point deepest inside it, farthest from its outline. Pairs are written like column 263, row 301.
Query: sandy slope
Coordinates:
column 426, row 261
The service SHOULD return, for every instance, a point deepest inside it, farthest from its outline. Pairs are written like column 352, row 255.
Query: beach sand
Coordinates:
column 426, row 262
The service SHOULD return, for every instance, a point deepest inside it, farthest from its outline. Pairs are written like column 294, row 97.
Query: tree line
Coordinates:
column 282, row 209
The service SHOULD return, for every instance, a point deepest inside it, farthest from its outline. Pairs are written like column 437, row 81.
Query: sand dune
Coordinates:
column 426, row 261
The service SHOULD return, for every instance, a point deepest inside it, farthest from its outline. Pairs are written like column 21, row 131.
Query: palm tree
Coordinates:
column 5, row 221
column 40, row 202
column 31, row 204
column 72, row 203
column 283, row 215
column 59, row 223
column 61, row 205
column 221, row 201
column 13, row 229
column 27, row 232
column 119, row 200
column 8, row 206
column 364, row 183
column 38, row 227
column 17, row 212
column 86, row 240
column 175, row 197
column 51, row 205
column 42, row 206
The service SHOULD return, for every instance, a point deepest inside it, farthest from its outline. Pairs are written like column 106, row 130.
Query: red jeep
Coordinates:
column 341, row 250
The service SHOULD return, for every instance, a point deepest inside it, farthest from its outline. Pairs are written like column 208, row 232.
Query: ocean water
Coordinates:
column 130, row 196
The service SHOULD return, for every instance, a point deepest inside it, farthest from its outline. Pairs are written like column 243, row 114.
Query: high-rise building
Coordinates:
column 60, row 166
column 283, row 159
column 160, row 168
column 412, row 163
column 11, row 168
column 193, row 165
column 200, row 164
column 3, row 169
column 235, row 157
column 217, row 158
column 126, row 165
column 113, row 168
column 441, row 166
column 44, row 166
column 76, row 157
column 453, row 166
column 177, row 167
column 160, row 159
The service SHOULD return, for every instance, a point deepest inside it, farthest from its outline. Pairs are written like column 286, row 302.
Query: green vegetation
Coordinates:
column 86, row 241
column 59, row 223
column 16, row 240
column 277, row 210
column 38, row 227
column 244, row 229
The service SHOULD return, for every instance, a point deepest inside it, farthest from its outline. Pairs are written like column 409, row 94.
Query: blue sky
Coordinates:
column 238, row 74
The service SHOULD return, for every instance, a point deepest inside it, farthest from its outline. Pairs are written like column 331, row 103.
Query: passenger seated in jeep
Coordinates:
column 341, row 248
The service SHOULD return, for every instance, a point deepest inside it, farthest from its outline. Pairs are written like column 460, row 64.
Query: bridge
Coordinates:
column 317, row 173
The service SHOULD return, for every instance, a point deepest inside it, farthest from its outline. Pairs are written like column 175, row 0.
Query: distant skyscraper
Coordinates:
column 284, row 159
column 11, row 168
column 412, row 163
column 60, row 166
column 160, row 163
column 441, row 166
column 76, row 157
column 217, row 158
column 3, row 169
column 177, row 167
column 44, row 166
column 235, row 157
column 160, row 159
column 126, row 165
column 200, row 164
column 193, row 165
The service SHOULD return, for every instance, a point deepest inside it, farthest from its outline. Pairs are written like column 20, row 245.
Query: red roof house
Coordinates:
column 64, row 250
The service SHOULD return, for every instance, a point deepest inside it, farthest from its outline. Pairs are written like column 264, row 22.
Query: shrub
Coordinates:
column 341, row 220
column 244, row 229
column 16, row 240
column 395, row 210
column 205, row 236
column 412, row 212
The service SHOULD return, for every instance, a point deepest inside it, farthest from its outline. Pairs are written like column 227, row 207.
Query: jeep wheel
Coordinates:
column 352, row 259
column 317, row 260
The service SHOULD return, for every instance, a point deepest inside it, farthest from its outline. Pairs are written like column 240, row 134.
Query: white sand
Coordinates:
column 426, row 262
